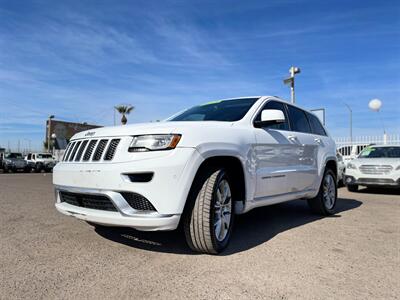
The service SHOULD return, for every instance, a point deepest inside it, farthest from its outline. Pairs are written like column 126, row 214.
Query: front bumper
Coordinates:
column 125, row 216
column 389, row 182
column 167, row 191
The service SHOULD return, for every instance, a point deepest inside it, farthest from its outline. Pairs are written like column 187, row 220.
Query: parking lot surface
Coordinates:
column 280, row 252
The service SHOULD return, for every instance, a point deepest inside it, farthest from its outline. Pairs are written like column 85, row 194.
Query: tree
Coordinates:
column 124, row 110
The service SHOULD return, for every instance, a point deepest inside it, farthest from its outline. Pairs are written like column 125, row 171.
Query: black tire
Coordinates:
column 352, row 188
column 201, row 214
column 318, row 204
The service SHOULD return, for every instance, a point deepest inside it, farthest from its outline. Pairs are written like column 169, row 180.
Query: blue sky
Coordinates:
column 77, row 59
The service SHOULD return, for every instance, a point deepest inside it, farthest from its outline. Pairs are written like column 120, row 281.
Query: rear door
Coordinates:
column 276, row 155
column 302, row 179
column 320, row 137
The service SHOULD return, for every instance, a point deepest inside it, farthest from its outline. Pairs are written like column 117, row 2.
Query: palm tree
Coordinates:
column 124, row 110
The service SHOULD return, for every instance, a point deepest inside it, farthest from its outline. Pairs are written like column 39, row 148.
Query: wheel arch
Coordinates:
column 331, row 163
column 233, row 165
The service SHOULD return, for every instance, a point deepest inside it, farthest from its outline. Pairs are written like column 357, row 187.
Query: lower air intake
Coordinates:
column 138, row 202
column 88, row 201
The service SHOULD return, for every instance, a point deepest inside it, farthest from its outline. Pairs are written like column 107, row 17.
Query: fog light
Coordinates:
column 348, row 179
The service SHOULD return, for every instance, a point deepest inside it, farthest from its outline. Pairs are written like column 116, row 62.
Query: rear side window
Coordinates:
column 298, row 120
column 316, row 126
column 279, row 106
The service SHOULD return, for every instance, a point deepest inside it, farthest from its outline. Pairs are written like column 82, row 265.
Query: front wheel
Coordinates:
column 324, row 203
column 209, row 218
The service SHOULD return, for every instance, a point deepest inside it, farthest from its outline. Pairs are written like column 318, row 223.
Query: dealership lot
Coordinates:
column 280, row 251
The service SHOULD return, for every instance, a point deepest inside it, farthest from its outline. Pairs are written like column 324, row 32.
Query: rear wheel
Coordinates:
column 352, row 188
column 324, row 203
column 209, row 218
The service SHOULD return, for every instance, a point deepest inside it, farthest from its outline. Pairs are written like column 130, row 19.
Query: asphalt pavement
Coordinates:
column 279, row 252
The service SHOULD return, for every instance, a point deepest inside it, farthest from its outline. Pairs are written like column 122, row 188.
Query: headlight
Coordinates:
column 351, row 166
column 152, row 142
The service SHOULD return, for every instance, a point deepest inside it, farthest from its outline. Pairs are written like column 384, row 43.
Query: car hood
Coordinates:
column 15, row 159
column 45, row 160
column 179, row 127
column 376, row 161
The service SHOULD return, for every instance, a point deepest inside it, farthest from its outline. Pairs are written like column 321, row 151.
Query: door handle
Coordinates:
column 318, row 140
column 292, row 137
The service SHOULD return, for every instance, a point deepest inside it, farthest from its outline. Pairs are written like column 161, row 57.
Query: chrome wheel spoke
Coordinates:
column 329, row 193
column 222, row 210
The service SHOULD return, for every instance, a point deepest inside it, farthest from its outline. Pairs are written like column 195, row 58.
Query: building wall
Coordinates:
column 64, row 131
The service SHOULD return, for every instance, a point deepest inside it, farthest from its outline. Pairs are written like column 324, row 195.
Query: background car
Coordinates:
column 341, row 166
column 40, row 162
column 13, row 162
column 375, row 166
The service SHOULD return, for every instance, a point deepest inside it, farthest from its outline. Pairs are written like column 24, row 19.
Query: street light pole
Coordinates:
column 48, row 132
column 351, row 122
column 290, row 81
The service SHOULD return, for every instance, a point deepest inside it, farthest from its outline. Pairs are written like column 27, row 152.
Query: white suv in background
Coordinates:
column 40, row 161
column 377, row 166
column 199, row 168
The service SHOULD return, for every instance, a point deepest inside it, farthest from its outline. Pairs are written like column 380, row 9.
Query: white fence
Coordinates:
column 344, row 144
column 369, row 139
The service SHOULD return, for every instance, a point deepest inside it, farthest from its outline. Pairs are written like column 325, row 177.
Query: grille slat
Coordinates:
column 74, row 151
column 99, row 150
column 376, row 169
column 66, row 151
column 99, row 202
column 80, row 151
column 111, row 149
column 89, row 150
column 71, row 146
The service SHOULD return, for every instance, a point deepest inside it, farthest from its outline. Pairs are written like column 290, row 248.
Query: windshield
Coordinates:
column 14, row 155
column 224, row 110
column 44, row 156
column 376, row 152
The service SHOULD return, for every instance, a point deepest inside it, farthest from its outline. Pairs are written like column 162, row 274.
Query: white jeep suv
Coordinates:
column 199, row 168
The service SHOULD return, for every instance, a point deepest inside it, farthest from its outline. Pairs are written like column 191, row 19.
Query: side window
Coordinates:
column 298, row 120
column 279, row 106
column 316, row 126
column 33, row 156
column 29, row 156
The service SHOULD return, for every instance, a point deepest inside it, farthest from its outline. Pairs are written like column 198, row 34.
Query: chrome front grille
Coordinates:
column 91, row 150
column 376, row 169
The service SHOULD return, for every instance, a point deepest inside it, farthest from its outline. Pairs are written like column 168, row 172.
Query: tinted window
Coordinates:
column 225, row 110
column 44, row 156
column 14, row 155
column 316, row 126
column 279, row 106
column 298, row 120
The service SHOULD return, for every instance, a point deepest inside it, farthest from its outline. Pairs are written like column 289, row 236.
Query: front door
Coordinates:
column 277, row 156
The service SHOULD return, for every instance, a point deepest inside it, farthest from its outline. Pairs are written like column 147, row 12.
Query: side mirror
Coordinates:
column 270, row 116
